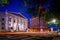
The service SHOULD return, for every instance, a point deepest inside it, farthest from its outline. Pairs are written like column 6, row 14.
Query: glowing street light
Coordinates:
column 54, row 20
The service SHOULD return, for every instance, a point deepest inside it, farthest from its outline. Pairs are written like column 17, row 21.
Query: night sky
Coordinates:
column 55, row 8
column 23, row 5
column 30, row 7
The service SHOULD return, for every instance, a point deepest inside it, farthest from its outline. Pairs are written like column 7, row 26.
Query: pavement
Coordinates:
column 28, row 36
column 32, row 33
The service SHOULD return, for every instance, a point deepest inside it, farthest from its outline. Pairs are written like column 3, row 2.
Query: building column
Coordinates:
column 26, row 25
column 12, row 24
column 7, row 23
column 17, row 25
column 51, row 29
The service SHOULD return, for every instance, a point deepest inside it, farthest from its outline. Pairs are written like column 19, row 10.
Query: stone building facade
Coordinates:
column 10, row 21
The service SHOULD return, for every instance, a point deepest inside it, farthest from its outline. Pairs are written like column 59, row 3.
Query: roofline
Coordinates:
column 21, row 14
column 33, row 18
column 16, row 13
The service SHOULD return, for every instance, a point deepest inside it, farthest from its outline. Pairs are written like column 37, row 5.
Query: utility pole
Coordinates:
column 41, row 15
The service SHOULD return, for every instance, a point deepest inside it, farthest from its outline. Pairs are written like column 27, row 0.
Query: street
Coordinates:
column 28, row 36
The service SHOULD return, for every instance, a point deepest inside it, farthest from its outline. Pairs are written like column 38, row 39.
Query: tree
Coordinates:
column 2, row 2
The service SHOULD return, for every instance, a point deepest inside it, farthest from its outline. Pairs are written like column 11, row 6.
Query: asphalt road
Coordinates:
column 46, row 34
column 28, row 36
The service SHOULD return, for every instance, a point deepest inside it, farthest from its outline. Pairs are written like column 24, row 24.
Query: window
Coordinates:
column 2, row 19
column 14, row 20
column 9, row 19
column 3, row 24
column 2, row 27
column 11, row 27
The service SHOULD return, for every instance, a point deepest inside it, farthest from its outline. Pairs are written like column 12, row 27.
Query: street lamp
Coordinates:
column 54, row 20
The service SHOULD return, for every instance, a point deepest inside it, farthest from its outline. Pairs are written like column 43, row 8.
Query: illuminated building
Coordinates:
column 11, row 21
column 38, row 25
column 34, row 22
